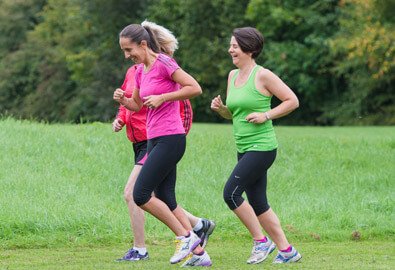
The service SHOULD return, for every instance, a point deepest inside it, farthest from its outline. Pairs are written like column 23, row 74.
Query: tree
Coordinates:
column 364, row 50
column 203, row 29
column 296, row 49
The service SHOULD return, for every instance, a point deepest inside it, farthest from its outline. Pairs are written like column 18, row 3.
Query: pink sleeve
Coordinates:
column 170, row 66
column 137, row 77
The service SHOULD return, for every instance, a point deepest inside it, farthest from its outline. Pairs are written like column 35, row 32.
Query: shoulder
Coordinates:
column 231, row 73
column 263, row 71
column 138, row 68
column 131, row 70
column 263, row 74
column 167, row 61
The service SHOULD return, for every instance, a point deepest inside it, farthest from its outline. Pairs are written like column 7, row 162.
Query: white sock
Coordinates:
column 141, row 251
column 198, row 225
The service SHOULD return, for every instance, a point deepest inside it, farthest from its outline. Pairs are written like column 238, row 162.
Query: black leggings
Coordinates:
column 250, row 175
column 158, row 173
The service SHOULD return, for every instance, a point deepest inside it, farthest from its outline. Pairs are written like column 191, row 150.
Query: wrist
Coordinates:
column 267, row 116
column 123, row 101
column 163, row 97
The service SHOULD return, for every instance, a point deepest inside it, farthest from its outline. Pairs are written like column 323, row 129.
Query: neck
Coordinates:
column 245, row 68
column 150, row 59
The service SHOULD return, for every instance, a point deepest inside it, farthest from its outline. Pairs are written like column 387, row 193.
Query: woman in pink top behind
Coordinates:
column 160, row 84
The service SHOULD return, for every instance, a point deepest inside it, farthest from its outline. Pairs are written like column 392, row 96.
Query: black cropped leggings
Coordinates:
column 158, row 173
column 250, row 176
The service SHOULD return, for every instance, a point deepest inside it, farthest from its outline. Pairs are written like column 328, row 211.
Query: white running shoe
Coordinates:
column 260, row 251
column 196, row 260
column 184, row 246
column 288, row 257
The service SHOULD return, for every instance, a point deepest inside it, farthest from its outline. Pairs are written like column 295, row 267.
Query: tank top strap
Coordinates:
column 251, row 79
column 233, row 79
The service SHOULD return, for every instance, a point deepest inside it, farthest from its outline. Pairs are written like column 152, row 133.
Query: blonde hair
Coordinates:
column 164, row 38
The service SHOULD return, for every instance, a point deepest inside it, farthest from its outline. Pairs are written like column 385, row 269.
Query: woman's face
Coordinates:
column 237, row 54
column 132, row 50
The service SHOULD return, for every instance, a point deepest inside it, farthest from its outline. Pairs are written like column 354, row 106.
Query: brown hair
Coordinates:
column 249, row 39
column 159, row 39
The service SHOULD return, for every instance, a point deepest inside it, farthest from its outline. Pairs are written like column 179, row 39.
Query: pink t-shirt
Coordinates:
column 164, row 120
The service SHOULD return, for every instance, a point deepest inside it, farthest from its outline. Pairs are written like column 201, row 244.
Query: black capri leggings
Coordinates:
column 158, row 173
column 250, row 175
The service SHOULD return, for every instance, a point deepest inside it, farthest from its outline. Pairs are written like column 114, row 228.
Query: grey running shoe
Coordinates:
column 196, row 260
column 133, row 255
column 205, row 231
column 260, row 251
column 184, row 246
column 288, row 257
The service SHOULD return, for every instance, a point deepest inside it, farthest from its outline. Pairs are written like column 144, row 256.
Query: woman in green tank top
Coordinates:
column 249, row 93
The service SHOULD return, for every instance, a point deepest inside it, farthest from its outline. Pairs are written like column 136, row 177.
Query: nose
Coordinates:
column 127, row 55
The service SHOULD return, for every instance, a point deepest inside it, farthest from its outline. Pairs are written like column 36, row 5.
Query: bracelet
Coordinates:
column 163, row 98
column 267, row 116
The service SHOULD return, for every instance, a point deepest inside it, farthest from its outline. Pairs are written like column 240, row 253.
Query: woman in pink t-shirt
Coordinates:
column 160, row 84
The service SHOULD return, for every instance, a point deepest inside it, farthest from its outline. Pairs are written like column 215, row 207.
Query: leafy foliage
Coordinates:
column 60, row 59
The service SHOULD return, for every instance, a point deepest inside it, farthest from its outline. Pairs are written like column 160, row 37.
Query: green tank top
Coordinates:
column 243, row 100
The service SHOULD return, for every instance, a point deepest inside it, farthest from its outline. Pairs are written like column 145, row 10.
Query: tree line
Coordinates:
column 60, row 59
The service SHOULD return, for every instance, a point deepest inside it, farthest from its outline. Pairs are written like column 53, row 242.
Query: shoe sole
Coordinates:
column 272, row 247
column 209, row 232
column 294, row 259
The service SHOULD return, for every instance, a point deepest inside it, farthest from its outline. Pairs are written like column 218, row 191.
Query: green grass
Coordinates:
column 62, row 185
column 227, row 255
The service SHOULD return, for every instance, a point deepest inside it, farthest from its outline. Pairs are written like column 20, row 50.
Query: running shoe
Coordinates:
column 184, row 246
column 260, row 251
column 133, row 255
column 288, row 257
column 205, row 231
column 198, row 260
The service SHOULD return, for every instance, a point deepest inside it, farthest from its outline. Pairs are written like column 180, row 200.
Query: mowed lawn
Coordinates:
column 61, row 196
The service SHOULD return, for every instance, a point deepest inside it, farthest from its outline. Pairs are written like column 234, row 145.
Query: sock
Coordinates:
column 198, row 225
column 263, row 240
column 199, row 254
column 287, row 249
column 142, row 251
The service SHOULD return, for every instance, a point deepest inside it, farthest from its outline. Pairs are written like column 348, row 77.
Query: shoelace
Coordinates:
column 178, row 245
column 130, row 253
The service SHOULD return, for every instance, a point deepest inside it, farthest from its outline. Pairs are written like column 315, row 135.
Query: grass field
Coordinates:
column 61, row 196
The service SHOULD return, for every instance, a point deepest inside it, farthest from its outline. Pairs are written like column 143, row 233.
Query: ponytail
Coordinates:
column 159, row 39
column 164, row 40
column 152, row 42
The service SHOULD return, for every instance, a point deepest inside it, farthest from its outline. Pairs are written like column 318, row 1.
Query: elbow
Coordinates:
column 296, row 104
column 198, row 91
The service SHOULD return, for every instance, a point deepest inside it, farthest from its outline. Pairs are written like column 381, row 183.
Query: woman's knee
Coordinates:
column 232, row 198
column 140, row 197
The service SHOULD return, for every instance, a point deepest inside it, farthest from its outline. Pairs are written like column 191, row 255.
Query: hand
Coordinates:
column 153, row 101
column 119, row 95
column 256, row 118
column 117, row 125
column 216, row 104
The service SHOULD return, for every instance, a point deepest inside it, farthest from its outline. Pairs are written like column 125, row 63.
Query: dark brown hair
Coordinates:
column 249, row 39
column 137, row 33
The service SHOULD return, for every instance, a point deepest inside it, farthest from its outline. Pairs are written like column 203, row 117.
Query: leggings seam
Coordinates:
column 232, row 196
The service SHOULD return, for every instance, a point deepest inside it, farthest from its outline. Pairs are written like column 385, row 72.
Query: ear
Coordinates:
column 143, row 43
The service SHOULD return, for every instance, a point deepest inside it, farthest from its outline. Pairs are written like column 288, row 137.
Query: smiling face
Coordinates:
column 132, row 50
column 238, row 56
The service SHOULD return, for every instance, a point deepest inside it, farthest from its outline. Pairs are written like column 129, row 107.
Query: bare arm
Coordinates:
column 133, row 104
column 217, row 104
column 274, row 85
column 189, row 88
column 269, row 83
